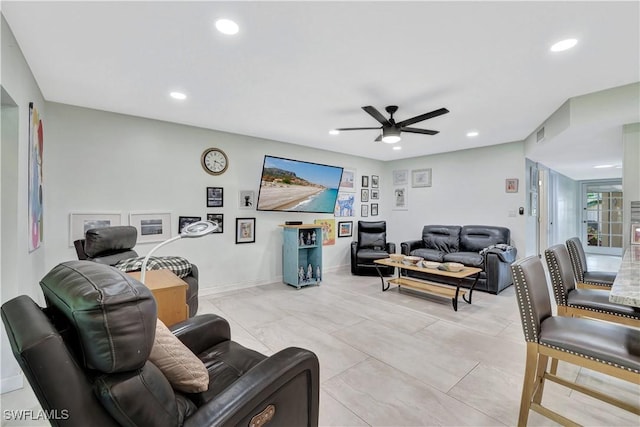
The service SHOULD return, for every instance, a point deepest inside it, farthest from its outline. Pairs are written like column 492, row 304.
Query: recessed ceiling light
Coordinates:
column 472, row 133
column 178, row 95
column 227, row 26
column 397, row 148
column 603, row 166
column 334, row 132
column 564, row 45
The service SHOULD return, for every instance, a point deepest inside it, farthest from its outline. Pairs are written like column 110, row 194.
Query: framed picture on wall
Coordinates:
column 511, row 185
column 374, row 209
column 365, row 180
column 245, row 230
column 345, row 228
column 401, row 177
column 247, row 199
column 375, row 194
column 364, row 210
column 79, row 223
column 151, row 226
column 183, row 221
column 375, row 181
column 421, row 178
column 348, row 181
column 218, row 219
column 364, row 195
column 215, row 197
column 400, row 199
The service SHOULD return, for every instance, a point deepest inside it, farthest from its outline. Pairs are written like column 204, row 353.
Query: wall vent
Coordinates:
column 540, row 134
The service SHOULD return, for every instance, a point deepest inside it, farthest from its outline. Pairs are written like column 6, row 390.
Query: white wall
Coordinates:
column 105, row 162
column 468, row 187
column 21, row 270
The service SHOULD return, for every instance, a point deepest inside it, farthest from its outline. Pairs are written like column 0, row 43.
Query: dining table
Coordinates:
column 626, row 287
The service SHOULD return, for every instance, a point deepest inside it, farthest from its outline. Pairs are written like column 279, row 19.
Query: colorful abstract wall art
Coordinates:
column 36, row 144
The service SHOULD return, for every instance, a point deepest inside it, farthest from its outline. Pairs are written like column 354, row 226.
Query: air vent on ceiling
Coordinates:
column 540, row 134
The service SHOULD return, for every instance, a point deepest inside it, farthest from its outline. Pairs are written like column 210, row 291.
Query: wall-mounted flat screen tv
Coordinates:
column 296, row 186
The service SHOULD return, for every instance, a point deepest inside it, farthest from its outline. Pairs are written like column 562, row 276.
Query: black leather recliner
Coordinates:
column 371, row 245
column 86, row 358
column 110, row 245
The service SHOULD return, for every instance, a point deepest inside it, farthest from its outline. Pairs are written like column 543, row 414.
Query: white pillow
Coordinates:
column 182, row 368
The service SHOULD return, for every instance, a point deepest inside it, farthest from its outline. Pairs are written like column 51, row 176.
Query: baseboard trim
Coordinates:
column 214, row 290
column 12, row 383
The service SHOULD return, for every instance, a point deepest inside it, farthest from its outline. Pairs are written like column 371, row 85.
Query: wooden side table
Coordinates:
column 170, row 293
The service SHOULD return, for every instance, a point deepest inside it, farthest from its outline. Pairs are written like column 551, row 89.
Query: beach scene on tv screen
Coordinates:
column 291, row 185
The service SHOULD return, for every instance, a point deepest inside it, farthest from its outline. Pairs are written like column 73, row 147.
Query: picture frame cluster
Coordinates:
column 369, row 191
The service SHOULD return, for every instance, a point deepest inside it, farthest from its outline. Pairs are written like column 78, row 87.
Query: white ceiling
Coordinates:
column 298, row 69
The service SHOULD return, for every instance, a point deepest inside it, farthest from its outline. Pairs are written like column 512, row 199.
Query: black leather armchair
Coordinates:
column 86, row 358
column 110, row 245
column 371, row 245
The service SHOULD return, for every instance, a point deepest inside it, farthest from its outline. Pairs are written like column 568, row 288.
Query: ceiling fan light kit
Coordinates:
column 391, row 135
column 391, row 130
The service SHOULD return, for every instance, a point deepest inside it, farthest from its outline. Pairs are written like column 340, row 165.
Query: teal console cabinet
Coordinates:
column 302, row 255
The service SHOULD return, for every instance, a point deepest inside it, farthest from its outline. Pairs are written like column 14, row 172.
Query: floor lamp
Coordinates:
column 196, row 229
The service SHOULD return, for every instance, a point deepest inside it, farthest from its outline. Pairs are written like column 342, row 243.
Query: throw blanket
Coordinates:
column 500, row 246
column 179, row 266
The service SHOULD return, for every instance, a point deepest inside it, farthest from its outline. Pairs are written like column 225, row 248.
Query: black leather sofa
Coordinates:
column 86, row 356
column 110, row 245
column 483, row 246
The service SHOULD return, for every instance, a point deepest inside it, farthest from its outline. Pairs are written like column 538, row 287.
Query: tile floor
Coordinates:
column 399, row 359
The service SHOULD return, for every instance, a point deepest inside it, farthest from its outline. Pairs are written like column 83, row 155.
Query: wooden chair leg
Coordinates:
column 554, row 366
column 529, row 383
column 543, row 362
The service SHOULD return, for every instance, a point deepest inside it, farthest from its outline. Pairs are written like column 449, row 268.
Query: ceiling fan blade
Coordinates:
column 341, row 129
column 422, row 131
column 376, row 115
column 425, row 116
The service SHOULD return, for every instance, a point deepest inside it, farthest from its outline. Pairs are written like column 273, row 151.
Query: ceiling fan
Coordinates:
column 391, row 130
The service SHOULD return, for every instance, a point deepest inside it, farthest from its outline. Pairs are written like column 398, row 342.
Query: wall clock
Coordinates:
column 214, row 161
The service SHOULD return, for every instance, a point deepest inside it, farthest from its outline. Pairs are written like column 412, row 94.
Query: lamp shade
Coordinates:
column 196, row 229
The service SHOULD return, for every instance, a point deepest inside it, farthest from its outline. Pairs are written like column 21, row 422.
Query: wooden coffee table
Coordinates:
column 432, row 288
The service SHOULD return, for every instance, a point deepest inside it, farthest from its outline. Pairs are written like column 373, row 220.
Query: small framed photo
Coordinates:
column 364, row 210
column 511, row 185
column 247, row 199
column 421, row 178
column 375, row 180
column 401, row 177
column 374, row 209
column 216, row 219
column 215, row 197
column 364, row 195
column 400, row 199
column 348, row 181
column 365, row 180
column 375, row 194
column 635, row 234
column 245, row 230
column 79, row 223
column 345, row 228
column 183, row 221
column 152, row 227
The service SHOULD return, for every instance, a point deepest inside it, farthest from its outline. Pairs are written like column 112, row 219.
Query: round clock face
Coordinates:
column 214, row 161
